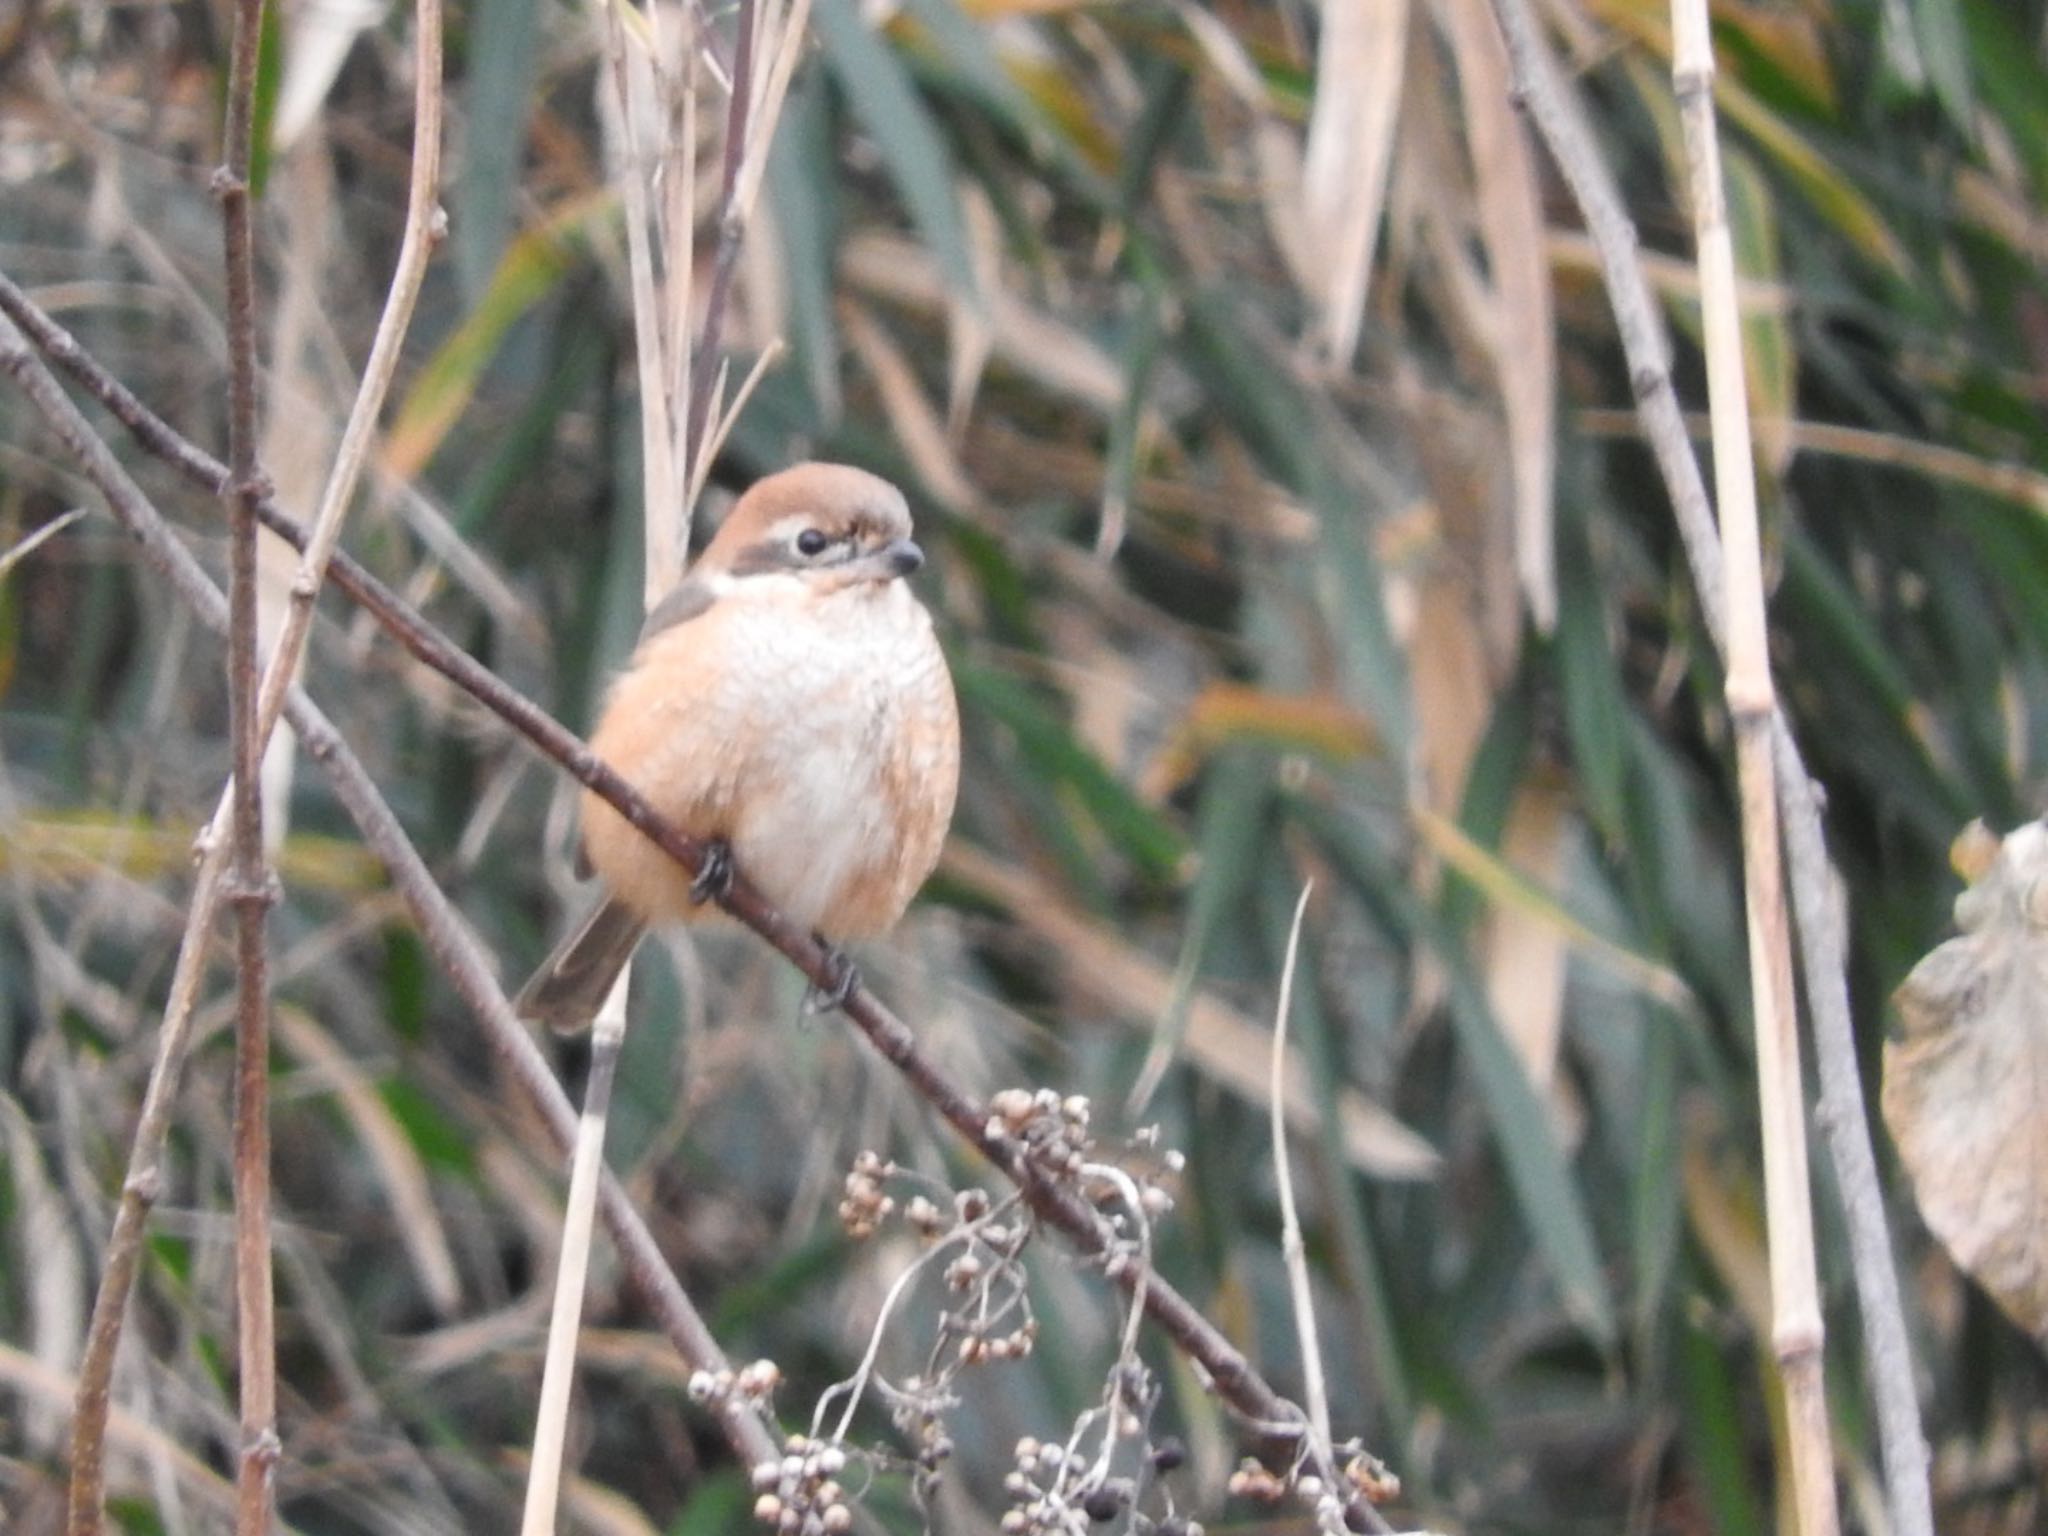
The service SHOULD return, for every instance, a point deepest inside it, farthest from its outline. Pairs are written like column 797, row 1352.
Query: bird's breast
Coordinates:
column 818, row 736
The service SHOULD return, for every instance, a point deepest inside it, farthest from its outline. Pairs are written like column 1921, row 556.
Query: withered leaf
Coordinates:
column 1966, row 1084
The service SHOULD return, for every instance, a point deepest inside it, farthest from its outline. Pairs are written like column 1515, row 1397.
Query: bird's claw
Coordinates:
column 714, row 876
column 845, row 981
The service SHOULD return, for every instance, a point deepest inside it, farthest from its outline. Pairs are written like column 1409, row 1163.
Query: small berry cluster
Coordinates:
column 979, row 1347
column 1053, row 1134
column 929, row 1220
column 992, row 1321
column 866, row 1204
column 1053, row 1492
column 1054, row 1130
column 1360, row 1475
column 925, row 1424
column 754, row 1383
column 800, row 1495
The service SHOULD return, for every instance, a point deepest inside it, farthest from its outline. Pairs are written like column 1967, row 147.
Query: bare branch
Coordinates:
column 250, row 888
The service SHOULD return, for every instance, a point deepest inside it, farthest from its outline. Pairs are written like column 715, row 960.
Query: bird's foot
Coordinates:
column 844, row 980
column 714, row 877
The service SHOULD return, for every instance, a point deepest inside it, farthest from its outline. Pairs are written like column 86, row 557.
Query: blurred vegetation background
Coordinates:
column 1261, row 410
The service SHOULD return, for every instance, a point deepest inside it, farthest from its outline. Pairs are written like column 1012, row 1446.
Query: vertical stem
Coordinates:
column 249, row 887
column 144, row 1177
column 1797, row 1334
column 1292, row 1249
column 139, row 1192
column 586, row 1164
column 674, row 434
column 731, row 230
column 1559, row 117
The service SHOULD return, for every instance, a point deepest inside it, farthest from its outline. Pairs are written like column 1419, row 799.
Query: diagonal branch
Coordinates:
column 1231, row 1375
column 449, row 938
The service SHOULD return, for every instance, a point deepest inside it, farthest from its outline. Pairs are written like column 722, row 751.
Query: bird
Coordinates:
column 789, row 706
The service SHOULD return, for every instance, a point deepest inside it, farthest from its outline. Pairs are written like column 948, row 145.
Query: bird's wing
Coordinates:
column 688, row 599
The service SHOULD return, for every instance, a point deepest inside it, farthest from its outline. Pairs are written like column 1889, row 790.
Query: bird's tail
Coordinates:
column 571, row 984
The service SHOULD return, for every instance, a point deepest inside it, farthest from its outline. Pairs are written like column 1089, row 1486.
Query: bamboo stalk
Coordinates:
column 1797, row 1332
column 1843, row 1115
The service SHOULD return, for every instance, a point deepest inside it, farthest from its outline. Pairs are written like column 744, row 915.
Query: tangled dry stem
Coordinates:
column 1229, row 1373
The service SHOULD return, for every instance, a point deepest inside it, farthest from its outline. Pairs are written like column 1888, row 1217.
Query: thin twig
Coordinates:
column 856, row 1385
column 32, row 542
column 732, row 226
column 424, row 226
column 1291, row 1248
column 139, row 1191
column 1843, row 1117
column 1225, row 1367
column 249, row 888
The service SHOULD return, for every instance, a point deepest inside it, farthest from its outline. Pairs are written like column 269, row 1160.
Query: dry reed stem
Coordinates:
column 662, row 478
column 565, row 1319
column 1223, row 1367
column 659, row 471
column 1291, row 1246
column 674, row 435
column 1797, row 1333
column 2004, row 479
column 1560, row 119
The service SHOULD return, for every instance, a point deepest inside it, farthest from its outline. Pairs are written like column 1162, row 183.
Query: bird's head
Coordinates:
column 830, row 525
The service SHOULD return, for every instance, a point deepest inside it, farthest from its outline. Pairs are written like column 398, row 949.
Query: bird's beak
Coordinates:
column 900, row 558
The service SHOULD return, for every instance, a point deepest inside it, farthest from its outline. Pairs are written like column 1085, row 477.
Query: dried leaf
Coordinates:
column 1054, row 353
column 1525, row 952
column 533, row 265
column 1231, row 712
column 317, row 43
column 1962, row 1085
column 1524, row 330
column 1350, row 147
column 919, row 431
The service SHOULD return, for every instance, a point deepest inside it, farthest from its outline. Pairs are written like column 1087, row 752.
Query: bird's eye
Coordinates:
column 811, row 541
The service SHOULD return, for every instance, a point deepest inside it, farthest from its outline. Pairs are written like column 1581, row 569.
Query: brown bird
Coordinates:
column 789, row 705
